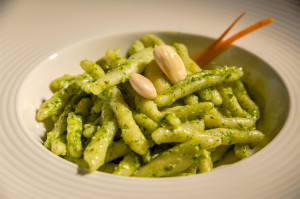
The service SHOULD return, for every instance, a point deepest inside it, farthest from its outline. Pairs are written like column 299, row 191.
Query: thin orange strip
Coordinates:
column 218, row 46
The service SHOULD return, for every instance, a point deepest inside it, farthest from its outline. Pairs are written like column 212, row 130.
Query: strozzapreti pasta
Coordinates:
column 102, row 124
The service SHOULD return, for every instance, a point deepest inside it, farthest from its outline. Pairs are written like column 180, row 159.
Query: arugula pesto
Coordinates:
column 102, row 124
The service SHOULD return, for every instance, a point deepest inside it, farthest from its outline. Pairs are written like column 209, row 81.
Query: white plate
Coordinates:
column 34, row 31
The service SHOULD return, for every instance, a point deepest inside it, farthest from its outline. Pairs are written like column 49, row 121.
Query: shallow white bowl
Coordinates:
column 266, row 86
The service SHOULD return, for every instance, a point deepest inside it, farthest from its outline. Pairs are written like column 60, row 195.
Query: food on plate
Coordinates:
column 153, row 112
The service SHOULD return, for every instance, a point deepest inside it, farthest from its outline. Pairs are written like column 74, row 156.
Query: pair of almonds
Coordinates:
column 171, row 65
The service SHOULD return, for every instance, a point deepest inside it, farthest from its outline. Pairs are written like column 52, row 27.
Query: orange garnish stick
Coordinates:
column 207, row 55
column 217, row 42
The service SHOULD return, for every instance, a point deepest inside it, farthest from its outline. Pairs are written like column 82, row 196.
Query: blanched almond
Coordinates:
column 170, row 63
column 143, row 86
